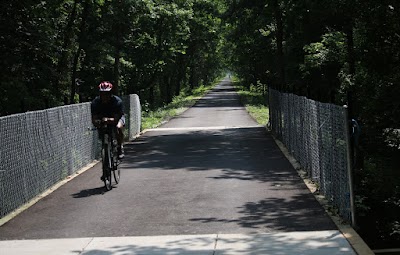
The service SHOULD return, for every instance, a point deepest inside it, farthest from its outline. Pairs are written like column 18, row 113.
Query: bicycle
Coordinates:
column 109, row 155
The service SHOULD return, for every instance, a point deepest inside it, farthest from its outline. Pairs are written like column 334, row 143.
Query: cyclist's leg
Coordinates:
column 120, row 137
column 120, row 134
column 101, row 137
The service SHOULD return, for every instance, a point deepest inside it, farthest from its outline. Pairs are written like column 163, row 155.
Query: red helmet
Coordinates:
column 105, row 86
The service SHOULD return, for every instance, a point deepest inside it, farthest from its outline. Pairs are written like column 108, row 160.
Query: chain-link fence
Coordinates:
column 315, row 134
column 38, row 149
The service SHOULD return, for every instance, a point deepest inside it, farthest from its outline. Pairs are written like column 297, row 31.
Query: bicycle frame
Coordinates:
column 110, row 138
column 109, row 154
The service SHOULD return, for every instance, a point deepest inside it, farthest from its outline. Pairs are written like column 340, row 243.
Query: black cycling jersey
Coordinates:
column 109, row 110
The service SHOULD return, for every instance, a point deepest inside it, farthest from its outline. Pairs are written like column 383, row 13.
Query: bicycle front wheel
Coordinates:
column 106, row 167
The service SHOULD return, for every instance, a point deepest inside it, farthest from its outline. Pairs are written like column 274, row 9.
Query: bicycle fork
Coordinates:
column 112, row 154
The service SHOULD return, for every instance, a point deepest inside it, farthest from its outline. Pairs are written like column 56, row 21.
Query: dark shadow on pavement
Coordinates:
column 89, row 192
column 299, row 213
column 241, row 153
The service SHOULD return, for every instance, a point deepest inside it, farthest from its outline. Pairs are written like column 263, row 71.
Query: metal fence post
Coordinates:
column 349, row 166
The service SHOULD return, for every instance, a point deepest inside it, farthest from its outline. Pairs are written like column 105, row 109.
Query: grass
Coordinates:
column 255, row 103
column 252, row 99
column 154, row 118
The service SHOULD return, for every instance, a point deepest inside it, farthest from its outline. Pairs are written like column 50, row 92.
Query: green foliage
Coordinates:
column 250, row 41
column 152, row 47
column 379, row 200
column 331, row 49
column 254, row 99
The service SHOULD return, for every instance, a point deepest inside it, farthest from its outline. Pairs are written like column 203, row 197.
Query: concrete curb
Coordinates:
column 356, row 242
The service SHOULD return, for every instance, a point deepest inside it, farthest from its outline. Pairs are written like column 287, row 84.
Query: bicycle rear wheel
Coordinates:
column 106, row 167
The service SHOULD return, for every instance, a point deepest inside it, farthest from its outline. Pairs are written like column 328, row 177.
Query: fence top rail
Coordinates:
column 16, row 115
column 42, row 111
column 311, row 100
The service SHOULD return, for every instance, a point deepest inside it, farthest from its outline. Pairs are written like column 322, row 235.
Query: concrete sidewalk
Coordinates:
column 330, row 242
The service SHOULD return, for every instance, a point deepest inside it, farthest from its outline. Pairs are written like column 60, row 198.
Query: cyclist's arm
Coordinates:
column 119, row 112
column 113, row 120
column 96, row 120
column 96, row 117
column 107, row 120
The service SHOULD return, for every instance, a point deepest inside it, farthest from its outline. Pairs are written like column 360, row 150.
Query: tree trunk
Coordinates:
column 279, row 43
column 62, row 62
column 118, row 48
column 352, row 65
column 117, row 57
column 73, row 76
column 82, row 33
column 151, row 97
column 178, row 82
column 181, row 66
column 191, row 78
column 168, row 92
column 350, row 51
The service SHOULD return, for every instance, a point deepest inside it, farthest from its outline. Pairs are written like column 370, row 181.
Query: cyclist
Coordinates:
column 107, row 108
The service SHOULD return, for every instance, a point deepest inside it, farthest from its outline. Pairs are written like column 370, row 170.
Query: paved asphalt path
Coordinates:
column 210, row 170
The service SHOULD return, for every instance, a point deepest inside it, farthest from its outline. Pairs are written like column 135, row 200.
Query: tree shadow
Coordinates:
column 298, row 213
column 239, row 153
column 304, row 243
column 155, row 246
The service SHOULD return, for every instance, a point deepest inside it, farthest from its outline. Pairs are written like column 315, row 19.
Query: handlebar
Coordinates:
column 101, row 125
